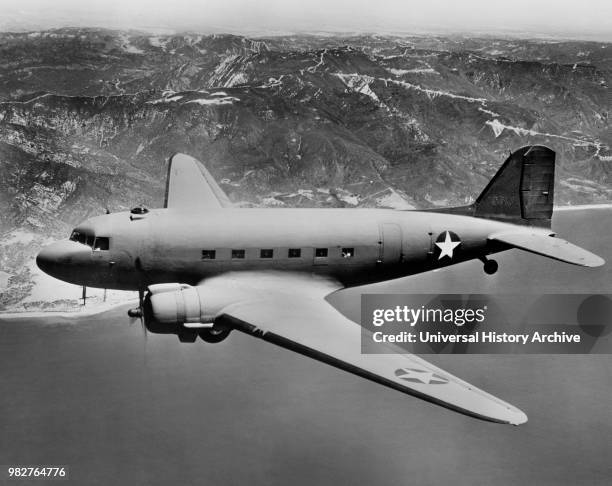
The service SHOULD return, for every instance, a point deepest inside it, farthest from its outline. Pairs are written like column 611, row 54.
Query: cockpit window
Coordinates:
column 83, row 238
column 101, row 243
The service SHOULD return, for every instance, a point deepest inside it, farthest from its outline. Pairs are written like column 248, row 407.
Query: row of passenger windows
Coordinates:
column 99, row 243
column 269, row 253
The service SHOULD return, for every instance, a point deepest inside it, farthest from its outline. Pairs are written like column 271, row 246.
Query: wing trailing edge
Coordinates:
column 549, row 246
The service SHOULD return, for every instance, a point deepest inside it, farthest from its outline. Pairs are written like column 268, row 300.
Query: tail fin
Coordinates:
column 522, row 191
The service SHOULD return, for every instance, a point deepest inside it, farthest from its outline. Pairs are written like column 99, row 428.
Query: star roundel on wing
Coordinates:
column 415, row 375
column 446, row 246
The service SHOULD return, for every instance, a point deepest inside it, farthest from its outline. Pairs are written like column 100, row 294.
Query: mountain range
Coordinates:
column 88, row 118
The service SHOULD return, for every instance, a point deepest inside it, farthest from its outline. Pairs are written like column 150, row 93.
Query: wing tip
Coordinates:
column 175, row 158
column 190, row 185
column 506, row 414
column 180, row 158
column 502, row 413
column 518, row 417
column 594, row 261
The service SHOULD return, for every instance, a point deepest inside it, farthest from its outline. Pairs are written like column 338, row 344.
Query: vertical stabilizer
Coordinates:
column 522, row 191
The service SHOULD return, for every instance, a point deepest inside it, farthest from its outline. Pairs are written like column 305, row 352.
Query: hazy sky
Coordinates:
column 585, row 18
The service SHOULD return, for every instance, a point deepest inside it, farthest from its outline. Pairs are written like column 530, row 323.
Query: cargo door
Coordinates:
column 391, row 243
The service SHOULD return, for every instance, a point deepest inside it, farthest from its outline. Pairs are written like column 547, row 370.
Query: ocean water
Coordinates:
column 118, row 409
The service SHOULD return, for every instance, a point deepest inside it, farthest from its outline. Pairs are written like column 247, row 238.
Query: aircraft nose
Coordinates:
column 58, row 258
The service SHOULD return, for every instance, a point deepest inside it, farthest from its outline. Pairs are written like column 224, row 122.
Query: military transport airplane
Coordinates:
column 203, row 268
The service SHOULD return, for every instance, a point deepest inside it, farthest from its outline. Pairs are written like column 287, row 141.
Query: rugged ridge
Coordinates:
column 89, row 116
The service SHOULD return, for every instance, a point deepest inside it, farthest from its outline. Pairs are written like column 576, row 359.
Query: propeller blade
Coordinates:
column 141, row 307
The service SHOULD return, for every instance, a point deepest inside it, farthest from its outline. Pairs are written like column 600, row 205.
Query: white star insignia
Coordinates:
column 420, row 376
column 447, row 246
column 424, row 377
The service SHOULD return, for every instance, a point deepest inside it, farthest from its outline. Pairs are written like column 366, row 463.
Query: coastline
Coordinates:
column 82, row 311
column 583, row 206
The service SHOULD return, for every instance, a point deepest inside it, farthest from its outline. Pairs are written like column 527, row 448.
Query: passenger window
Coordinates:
column 209, row 254
column 295, row 252
column 266, row 253
column 348, row 252
column 90, row 240
column 101, row 243
column 237, row 254
column 321, row 252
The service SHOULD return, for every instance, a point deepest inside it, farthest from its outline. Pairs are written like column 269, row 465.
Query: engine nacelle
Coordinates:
column 174, row 308
column 177, row 304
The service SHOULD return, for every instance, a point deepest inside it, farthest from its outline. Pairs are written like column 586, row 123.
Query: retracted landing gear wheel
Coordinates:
column 214, row 335
column 490, row 267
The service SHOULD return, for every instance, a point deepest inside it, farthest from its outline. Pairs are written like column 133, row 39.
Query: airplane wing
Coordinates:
column 549, row 246
column 190, row 185
column 308, row 325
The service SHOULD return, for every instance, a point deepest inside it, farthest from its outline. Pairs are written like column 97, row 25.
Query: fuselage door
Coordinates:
column 391, row 246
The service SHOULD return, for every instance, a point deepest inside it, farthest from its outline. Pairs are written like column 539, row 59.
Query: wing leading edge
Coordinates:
column 312, row 327
column 191, row 186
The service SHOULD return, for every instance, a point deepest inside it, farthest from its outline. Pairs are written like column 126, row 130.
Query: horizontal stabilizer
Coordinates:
column 549, row 246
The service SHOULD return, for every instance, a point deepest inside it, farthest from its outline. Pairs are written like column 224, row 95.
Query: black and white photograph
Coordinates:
column 295, row 243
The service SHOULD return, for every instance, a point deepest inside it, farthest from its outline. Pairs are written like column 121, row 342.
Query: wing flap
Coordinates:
column 549, row 246
column 191, row 186
column 315, row 329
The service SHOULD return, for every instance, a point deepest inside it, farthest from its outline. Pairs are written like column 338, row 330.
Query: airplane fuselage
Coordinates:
column 353, row 246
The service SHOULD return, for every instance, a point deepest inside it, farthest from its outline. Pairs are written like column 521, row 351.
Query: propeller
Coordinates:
column 138, row 312
column 141, row 309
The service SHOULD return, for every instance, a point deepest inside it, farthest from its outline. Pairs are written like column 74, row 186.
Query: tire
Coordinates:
column 214, row 335
column 490, row 267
